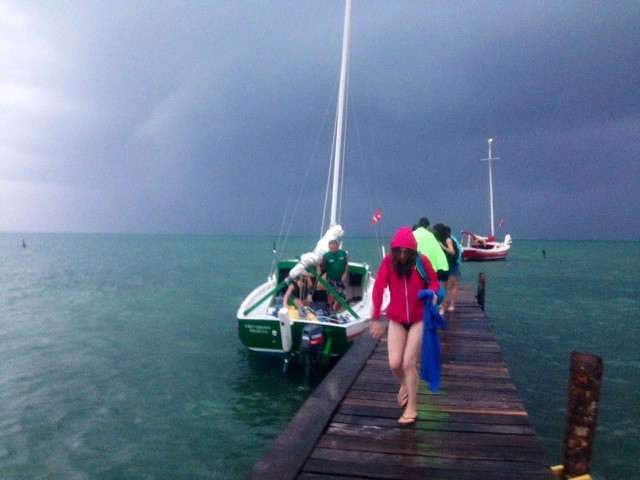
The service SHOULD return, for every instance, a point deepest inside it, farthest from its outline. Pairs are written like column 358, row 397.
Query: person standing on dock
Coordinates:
column 452, row 251
column 399, row 273
column 429, row 246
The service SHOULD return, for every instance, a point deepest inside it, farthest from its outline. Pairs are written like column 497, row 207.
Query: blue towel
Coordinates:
column 441, row 293
column 430, row 361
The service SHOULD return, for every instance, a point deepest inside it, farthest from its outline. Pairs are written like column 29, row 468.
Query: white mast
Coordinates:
column 337, row 161
column 489, row 159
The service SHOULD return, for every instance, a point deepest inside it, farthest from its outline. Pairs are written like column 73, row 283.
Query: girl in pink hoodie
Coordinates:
column 405, row 311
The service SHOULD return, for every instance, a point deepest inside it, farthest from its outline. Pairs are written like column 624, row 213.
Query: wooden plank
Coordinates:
column 383, row 466
column 476, row 427
column 286, row 456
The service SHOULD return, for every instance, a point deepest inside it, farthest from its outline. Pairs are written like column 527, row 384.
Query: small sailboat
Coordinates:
column 478, row 247
column 267, row 326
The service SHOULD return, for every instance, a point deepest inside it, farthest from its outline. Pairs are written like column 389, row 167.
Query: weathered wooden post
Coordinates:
column 585, row 376
column 480, row 294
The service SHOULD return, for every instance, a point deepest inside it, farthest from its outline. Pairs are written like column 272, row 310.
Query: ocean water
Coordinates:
column 119, row 354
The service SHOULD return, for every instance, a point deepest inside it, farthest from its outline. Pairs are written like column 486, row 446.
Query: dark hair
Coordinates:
column 403, row 268
column 440, row 232
column 424, row 222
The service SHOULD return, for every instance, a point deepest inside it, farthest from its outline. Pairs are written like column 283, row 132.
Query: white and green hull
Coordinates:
column 264, row 327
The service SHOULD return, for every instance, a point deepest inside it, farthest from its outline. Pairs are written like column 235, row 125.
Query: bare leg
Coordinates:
column 453, row 292
column 403, row 397
column 404, row 348
column 396, row 340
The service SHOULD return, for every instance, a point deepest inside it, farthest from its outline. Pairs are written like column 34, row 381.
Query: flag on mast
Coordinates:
column 376, row 218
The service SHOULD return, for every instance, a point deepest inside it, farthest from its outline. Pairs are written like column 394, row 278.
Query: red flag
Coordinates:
column 501, row 223
column 376, row 218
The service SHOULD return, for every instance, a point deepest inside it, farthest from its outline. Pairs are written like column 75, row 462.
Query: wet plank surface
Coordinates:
column 475, row 427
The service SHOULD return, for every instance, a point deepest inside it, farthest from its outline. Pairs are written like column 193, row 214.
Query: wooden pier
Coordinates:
column 476, row 427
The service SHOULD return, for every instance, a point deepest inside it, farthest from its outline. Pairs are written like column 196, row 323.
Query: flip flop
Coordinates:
column 411, row 420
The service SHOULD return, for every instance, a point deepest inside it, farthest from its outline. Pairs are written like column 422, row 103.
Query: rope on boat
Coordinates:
column 335, row 294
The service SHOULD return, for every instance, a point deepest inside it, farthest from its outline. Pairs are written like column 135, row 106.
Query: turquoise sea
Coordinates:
column 119, row 355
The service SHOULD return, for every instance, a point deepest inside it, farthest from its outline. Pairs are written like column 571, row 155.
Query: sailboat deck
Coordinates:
column 476, row 427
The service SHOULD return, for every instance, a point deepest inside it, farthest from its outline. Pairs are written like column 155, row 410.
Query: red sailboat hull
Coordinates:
column 479, row 248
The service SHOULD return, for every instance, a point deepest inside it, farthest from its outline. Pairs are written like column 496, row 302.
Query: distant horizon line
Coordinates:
column 272, row 236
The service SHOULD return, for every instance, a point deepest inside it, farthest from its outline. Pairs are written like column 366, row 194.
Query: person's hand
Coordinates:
column 377, row 328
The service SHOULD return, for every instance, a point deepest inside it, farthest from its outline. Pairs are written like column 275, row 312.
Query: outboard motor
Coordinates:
column 310, row 343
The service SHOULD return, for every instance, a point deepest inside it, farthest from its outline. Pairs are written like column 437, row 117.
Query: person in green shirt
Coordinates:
column 429, row 246
column 336, row 262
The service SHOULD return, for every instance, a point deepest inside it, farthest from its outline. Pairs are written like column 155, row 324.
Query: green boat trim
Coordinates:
column 271, row 294
column 335, row 294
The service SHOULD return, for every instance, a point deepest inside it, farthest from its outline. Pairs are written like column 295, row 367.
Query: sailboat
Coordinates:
column 267, row 326
column 478, row 247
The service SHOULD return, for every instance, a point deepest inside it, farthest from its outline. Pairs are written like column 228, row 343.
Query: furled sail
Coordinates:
column 315, row 257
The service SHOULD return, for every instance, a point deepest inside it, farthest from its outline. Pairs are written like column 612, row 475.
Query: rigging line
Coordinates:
column 330, row 104
column 334, row 146
column 326, row 191
column 346, row 123
column 312, row 161
column 378, row 229
column 344, row 149
column 277, row 255
column 369, row 169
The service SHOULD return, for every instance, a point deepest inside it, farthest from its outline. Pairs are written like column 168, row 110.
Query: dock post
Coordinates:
column 480, row 294
column 585, row 376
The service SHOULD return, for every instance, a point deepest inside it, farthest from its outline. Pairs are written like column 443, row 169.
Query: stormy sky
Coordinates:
column 216, row 117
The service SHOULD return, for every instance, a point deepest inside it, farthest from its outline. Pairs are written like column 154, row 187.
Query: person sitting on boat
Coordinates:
column 319, row 294
column 319, row 298
column 336, row 263
column 298, row 293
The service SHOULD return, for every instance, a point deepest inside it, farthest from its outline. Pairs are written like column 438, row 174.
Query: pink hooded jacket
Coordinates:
column 404, row 305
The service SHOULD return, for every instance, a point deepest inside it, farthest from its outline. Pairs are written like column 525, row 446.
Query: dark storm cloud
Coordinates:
column 202, row 117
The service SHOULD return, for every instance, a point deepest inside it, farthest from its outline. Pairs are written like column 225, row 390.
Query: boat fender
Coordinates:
column 285, row 329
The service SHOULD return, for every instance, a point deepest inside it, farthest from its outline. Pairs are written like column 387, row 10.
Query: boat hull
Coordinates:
column 261, row 335
column 485, row 254
column 478, row 248
column 265, row 327
column 265, row 336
